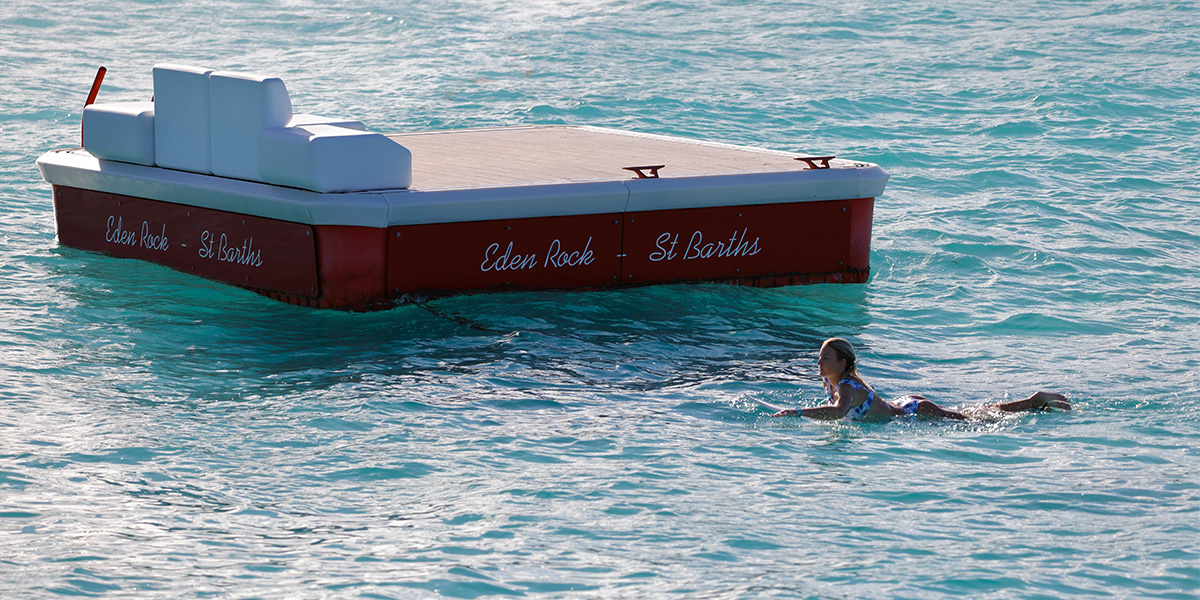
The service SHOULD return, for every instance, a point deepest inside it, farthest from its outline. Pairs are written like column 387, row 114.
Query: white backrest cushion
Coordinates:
column 181, row 114
column 241, row 105
column 121, row 131
column 327, row 158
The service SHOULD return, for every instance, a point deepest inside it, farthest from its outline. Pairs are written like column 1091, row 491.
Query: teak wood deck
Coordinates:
column 512, row 156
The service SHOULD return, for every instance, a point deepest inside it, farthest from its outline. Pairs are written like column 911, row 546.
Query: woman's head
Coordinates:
column 837, row 359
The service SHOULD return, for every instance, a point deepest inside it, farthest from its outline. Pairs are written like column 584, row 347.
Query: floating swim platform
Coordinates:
column 219, row 178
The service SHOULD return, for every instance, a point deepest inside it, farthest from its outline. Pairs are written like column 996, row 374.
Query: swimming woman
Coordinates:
column 850, row 396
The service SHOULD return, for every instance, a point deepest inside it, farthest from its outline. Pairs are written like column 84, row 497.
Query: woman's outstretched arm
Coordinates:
column 828, row 412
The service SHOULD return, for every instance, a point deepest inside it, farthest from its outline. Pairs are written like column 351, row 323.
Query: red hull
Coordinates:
column 362, row 268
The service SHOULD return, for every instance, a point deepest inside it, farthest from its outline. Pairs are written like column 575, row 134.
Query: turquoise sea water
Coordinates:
column 168, row 437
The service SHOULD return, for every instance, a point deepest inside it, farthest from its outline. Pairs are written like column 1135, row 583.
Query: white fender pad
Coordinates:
column 800, row 185
column 417, row 207
column 76, row 168
column 326, row 158
column 241, row 105
column 181, row 114
column 122, row 131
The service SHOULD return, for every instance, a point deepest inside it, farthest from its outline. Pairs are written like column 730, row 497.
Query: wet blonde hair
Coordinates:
column 845, row 352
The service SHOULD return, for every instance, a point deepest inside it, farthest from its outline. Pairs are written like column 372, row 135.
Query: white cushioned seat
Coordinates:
column 241, row 105
column 122, row 131
column 181, row 118
column 300, row 119
column 326, row 158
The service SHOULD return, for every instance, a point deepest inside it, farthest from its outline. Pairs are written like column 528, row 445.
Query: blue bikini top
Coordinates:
column 858, row 412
